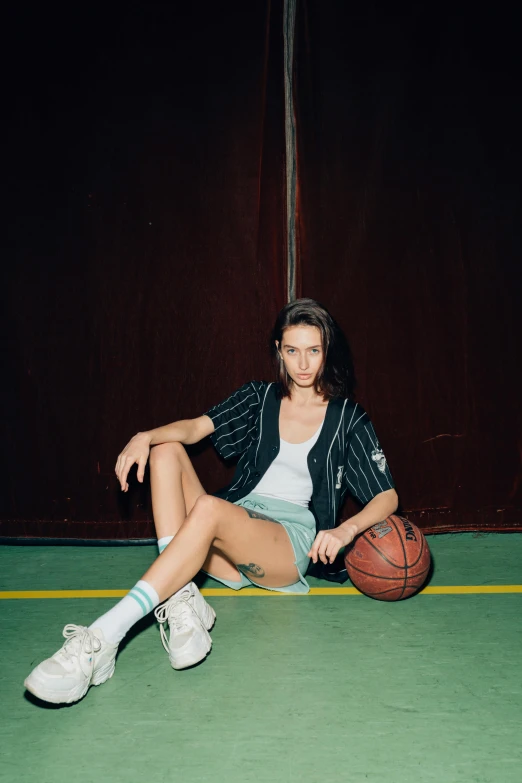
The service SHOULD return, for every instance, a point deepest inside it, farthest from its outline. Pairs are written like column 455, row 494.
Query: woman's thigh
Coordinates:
column 171, row 468
column 258, row 545
column 167, row 461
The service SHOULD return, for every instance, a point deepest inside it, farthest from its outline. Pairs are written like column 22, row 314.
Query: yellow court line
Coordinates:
column 254, row 591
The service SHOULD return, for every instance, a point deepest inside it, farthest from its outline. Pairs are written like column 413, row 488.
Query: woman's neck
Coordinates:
column 305, row 396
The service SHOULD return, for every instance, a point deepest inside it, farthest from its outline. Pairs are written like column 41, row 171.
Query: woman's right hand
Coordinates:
column 136, row 451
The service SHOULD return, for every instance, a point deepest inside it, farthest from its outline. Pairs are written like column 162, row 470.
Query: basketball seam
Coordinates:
column 404, row 554
column 370, row 542
column 389, row 578
column 383, row 592
column 423, row 541
column 394, row 565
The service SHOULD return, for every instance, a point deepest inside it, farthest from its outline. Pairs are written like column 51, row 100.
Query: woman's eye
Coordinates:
column 290, row 350
column 315, row 350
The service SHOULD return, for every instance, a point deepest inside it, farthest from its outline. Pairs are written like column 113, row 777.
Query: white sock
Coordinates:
column 162, row 542
column 115, row 623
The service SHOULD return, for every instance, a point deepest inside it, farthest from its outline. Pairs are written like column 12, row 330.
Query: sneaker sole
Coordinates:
column 75, row 694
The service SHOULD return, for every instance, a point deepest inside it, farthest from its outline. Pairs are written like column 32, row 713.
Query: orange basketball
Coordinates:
column 390, row 561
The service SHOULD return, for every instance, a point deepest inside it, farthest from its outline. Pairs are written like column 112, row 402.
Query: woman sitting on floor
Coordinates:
column 302, row 444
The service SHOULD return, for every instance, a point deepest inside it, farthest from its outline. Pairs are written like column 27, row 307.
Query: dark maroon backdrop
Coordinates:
column 149, row 240
column 409, row 134
column 145, row 175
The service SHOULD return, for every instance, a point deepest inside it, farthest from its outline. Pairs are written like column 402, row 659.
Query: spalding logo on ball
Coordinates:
column 390, row 561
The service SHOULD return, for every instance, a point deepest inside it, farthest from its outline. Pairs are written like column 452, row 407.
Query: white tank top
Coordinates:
column 288, row 477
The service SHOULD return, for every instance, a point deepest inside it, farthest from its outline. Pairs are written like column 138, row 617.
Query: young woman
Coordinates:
column 302, row 443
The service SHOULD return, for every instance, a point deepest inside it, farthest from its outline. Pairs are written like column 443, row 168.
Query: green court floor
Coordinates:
column 297, row 688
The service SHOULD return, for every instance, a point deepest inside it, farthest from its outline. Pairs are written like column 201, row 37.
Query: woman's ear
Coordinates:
column 277, row 346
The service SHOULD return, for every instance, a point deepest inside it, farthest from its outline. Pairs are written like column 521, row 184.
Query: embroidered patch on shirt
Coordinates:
column 339, row 476
column 379, row 458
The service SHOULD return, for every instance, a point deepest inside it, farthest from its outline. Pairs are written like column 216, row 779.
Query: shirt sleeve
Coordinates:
column 367, row 473
column 235, row 421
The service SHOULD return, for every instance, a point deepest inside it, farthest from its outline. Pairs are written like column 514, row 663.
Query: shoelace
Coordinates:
column 78, row 640
column 175, row 613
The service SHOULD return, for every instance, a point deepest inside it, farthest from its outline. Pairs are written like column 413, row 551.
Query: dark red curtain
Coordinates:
column 145, row 180
column 409, row 130
column 146, row 268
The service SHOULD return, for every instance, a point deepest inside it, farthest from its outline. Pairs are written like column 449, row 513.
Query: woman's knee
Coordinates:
column 167, row 453
column 206, row 511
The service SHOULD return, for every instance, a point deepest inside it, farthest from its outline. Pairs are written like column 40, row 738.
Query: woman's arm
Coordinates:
column 137, row 449
column 328, row 542
column 378, row 509
column 185, row 431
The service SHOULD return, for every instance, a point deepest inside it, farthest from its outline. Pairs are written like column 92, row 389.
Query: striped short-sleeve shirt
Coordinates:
column 347, row 456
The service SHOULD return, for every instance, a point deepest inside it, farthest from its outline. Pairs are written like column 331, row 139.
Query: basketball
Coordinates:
column 390, row 561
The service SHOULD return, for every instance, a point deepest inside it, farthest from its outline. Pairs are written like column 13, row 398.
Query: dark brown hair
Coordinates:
column 336, row 377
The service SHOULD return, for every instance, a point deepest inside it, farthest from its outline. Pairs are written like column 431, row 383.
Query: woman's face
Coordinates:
column 302, row 353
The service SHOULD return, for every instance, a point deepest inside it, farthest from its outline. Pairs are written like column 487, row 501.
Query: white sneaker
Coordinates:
column 190, row 619
column 85, row 659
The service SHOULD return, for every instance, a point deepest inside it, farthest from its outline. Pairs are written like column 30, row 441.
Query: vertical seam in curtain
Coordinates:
column 290, row 145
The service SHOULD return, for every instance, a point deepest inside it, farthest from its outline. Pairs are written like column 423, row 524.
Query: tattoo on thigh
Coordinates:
column 251, row 569
column 257, row 515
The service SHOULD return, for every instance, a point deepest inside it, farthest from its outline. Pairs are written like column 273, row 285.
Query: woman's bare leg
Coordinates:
column 175, row 488
column 257, row 546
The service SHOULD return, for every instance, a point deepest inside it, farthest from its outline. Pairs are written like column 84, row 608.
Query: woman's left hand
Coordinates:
column 328, row 542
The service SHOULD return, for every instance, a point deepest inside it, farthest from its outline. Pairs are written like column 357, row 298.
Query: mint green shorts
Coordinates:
column 299, row 523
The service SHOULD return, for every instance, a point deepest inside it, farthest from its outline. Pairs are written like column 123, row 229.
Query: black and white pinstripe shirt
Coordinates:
column 347, row 456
